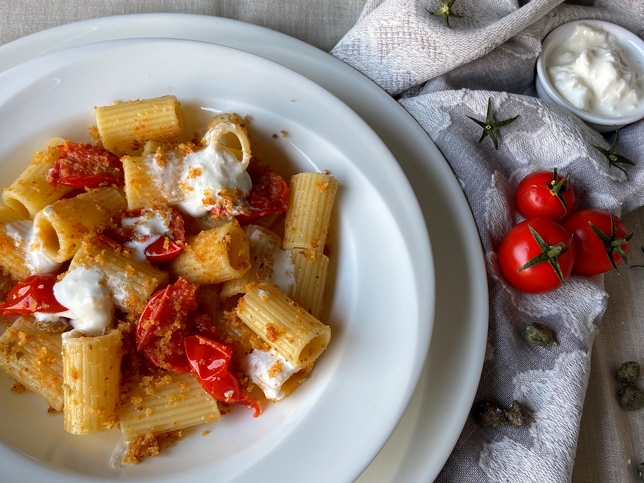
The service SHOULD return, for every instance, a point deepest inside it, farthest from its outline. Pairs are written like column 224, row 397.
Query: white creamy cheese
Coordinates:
column 36, row 261
column 165, row 169
column 594, row 73
column 88, row 299
column 276, row 264
column 52, row 318
column 193, row 182
column 283, row 272
column 269, row 370
column 148, row 228
column 206, row 173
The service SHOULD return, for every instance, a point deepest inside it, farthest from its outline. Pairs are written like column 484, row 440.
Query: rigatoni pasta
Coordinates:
column 308, row 217
column 91, row 377
column 34, row 358
column 141, row 184
column 165, row 402
column 126, row 126
column 61, row 227
column 286, row 327
column 214, row 256
column 13, row 250
column 311, row 269
column 31, row 192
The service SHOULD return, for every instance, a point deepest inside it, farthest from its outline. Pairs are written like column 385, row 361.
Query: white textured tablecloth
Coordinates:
column 610, row 440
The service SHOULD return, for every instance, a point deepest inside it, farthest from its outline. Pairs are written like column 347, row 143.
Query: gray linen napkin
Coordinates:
column 443, row 75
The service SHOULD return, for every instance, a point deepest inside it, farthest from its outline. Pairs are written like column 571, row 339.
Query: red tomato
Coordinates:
column 544, row 194
column 161, row 250
column 537, row 260
column 150, row 318
column 165, row 323
column 33, row 294
column 269, row 194
column 86, row 166
column 209, row 362
column 602, row 248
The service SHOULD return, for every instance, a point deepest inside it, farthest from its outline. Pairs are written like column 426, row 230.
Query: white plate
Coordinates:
column 437, row 411
column 382, row 276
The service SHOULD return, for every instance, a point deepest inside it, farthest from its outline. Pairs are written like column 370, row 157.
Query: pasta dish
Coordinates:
column 148, row 285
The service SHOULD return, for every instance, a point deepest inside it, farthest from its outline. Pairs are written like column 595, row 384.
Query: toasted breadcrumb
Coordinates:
column 150, row 445
column 18, row 388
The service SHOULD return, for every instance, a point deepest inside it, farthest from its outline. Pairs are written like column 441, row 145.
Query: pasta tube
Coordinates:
column 310, row 204
column 311, row 269
column 13, row 250
column 34, row 359
column 285, row 326
column 91, row 377
column 60, row 228
column 31, row 192
column 166, row 403
column 125, row 127
column 213, row 256
column 142, row 186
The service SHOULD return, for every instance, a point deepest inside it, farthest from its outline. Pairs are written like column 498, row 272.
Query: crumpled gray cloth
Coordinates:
column 443, row 75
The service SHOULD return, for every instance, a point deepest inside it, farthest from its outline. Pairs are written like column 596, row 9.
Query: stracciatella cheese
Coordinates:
column 269, row 370
column 83, row 292
column 193, row 182
column 592, row 71
column 36, row 260
column 277, row 264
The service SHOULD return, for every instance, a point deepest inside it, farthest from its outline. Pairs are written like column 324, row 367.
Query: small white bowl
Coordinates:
column 546, row 91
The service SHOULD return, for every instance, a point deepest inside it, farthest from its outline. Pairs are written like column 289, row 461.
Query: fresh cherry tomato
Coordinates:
column 165, row 323
column 209, row 361
column 601, row 248
column 544, row 194
column 537, row 255
column 161, row 250
column 86, row 166
column 33, row 294
column 269, row 194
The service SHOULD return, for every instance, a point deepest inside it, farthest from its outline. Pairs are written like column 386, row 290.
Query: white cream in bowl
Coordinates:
column 596, row 70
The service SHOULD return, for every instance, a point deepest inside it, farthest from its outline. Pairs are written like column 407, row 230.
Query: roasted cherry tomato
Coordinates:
column 209, row 362
column 269, row 194
column 537, row 255
column 544, row 194
column 163, row 248
column 86, row 166
column 601, row 240
column 33, row 294
column 165, row 323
